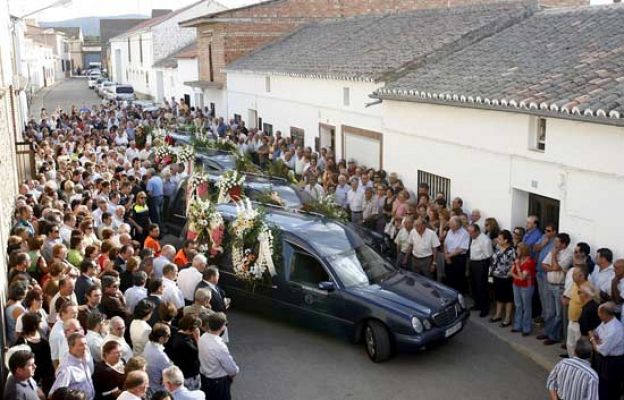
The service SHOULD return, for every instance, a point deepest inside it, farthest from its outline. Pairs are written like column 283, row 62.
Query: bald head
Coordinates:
column 168, row 251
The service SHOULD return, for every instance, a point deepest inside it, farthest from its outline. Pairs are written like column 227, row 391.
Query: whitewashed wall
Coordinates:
column 487, row 157
column 303, row 103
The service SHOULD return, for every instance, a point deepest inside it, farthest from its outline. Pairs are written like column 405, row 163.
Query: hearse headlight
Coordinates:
column 426, row 324
column 417, row 325
column 461, row 301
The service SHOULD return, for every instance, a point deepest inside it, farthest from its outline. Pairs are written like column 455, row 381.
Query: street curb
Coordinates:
column 542, row 358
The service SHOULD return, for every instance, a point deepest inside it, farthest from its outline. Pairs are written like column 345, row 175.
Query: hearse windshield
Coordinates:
column 361, row 267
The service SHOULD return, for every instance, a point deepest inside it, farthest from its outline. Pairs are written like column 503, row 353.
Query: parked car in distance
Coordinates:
column 92, row 81
column 105, row 87
column 120, row 93
column 329, row 279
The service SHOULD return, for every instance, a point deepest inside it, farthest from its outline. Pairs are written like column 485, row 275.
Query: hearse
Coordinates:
column 329, row 279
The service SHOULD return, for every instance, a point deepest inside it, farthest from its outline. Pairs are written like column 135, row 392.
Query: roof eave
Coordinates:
column 464, row 102
column 353, row 78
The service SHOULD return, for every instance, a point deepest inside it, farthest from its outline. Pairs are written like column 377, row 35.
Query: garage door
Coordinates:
column 364, row 146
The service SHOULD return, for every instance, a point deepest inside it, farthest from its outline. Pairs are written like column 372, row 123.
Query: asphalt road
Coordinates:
column 280, row 361
column 73, row 91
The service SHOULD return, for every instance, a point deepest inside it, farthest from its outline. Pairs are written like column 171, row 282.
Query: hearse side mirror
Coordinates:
column 328, row 286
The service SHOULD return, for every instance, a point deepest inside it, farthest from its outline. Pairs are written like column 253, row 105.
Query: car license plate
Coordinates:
column 453, row 329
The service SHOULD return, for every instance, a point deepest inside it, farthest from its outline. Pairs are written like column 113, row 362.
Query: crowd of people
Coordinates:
column 105, row 311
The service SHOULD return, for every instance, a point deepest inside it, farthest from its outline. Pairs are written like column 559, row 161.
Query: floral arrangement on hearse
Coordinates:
column 206, row 224
column 230, row 186
column 253, row 244
column 165, row 155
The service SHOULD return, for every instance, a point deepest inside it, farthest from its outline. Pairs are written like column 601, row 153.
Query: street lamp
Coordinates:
column 57, row 3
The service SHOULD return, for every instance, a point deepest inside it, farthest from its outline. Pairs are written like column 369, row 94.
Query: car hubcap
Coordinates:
column 370, row 341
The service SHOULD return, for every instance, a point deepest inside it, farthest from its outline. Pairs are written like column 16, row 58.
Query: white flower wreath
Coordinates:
column 246, row 220
column 227, row 181
column 187, row 153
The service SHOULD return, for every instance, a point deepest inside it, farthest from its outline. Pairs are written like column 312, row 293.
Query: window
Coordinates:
column 146, row 78
column 297, row 134
column 213, row 110
column 267, row 129
column 307, row 270
column 346, row 96
column 267, row 84
column 141, row 49
column 211, row 69
column 437, row 184
column 538, row 133
column 129, row 51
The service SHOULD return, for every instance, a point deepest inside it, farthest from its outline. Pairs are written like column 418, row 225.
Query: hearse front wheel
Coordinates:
column 377, row 341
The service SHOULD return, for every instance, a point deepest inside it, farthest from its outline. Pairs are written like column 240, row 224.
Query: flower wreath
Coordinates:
column 165, row 155
column 326, row 206
column 187, row 153
column 230, row 186
column 206, row 226
column 252, row 244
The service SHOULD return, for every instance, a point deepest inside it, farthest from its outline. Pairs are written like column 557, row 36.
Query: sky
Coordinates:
column 104, row 8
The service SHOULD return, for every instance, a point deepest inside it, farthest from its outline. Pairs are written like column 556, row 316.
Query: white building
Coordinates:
column 511, row 128
column 175, row 72
column 315, row 83
column 134, row 53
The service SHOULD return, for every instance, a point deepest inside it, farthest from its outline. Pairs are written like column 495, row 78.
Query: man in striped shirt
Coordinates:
column 573, row 378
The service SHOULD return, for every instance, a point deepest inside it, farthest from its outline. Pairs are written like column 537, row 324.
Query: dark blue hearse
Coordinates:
column 331, row 279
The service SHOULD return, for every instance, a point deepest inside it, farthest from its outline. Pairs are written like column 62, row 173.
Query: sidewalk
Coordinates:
column 544, row 356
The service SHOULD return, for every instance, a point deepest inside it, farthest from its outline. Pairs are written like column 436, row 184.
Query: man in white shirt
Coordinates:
column 94, row 334
column 481, row 252
column 217, row 367
column 136, row 384
column 171, row 291
column 173, row 380
column 116, row 333
column 556, row 264
column 603, row 274
column 167, row 254
column 189, row 278
column 102, row 204
column 608, row 343
column 456, row 246
column 57, row 340
column 137, row 292
column 402, row 241
column 355, row 199
column 315, row 190
column 69, row 224
column 423, row 248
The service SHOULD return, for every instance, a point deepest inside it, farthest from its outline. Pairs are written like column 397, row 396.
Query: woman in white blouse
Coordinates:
column 139, row 328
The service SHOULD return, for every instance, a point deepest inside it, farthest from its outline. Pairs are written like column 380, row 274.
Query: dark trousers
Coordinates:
column 216, row 389
column 155, row 205
column 610, row 371
column 456, row 273
column 479, row 270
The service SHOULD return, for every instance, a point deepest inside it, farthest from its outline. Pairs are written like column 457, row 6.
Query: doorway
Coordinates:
column 252, row 119
column 545, row 208
column 160, row 86
column 327, row 134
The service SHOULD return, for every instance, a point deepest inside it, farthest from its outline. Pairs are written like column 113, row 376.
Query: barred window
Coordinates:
column 437, row 184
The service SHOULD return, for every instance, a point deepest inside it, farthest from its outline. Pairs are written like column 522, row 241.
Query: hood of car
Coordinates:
column 407, row 292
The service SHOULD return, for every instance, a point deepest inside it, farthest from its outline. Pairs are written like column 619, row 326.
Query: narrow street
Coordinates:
column 280, row 361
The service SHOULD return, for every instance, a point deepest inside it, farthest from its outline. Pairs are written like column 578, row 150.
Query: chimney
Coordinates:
column 157, row 12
